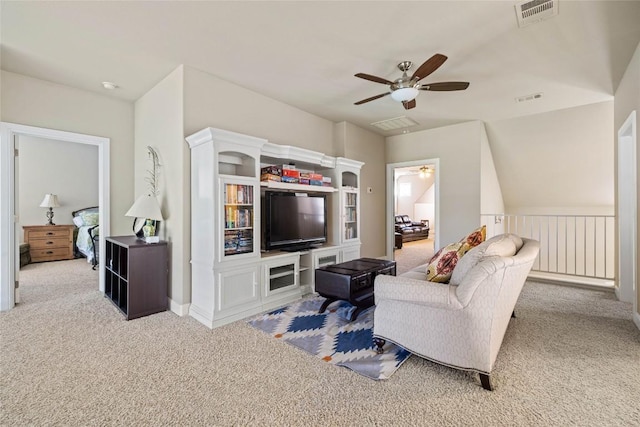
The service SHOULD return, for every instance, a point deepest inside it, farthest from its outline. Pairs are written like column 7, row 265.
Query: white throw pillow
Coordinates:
column 501, row 245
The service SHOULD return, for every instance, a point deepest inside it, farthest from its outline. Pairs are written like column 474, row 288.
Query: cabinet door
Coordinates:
column 280, row 276
column 350, row 215
column 238, row 218
column 237, row 288
column 349, row 253
column 325, row 257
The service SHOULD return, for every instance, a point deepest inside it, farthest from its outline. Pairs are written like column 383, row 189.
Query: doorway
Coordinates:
column 9, row 248
column 394, row 171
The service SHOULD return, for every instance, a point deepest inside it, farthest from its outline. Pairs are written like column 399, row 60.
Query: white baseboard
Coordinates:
column 578, row 281
column 179, row 309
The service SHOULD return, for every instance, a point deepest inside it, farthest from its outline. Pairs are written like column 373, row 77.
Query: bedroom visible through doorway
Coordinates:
column 11, row 225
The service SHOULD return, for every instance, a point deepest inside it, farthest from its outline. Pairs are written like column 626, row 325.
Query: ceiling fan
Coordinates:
column 406, row 89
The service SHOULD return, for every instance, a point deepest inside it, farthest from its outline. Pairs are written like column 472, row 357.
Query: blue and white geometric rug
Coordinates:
column 333, row 338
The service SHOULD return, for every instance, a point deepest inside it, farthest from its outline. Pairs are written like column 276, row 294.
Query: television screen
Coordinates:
column 294, row 220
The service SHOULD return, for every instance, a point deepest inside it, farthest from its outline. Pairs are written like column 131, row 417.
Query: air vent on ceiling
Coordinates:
column 395, row 123
column 532, row 11
column 531, row 97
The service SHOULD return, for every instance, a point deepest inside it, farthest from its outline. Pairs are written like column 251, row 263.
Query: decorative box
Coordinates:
column 291, row 173
column 271, row 170
column 270, row 177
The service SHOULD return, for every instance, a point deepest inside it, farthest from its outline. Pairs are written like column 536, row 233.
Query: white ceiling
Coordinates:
column 305, row 53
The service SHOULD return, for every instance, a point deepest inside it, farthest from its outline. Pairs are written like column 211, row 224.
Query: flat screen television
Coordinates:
column 294, row 221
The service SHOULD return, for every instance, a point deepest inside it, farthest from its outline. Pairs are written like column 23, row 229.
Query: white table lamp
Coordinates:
column 145, row 208
column 50, row 201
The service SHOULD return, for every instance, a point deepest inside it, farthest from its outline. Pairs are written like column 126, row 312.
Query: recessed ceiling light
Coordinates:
column 109, row 85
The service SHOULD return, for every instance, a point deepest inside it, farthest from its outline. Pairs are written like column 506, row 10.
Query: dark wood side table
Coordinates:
column 136, row 275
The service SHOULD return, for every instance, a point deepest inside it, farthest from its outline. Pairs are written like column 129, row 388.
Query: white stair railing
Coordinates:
column 574, row 245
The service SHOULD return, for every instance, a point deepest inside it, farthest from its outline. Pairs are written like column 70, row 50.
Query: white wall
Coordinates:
column 560, row 162
column 368, row 147
column 159, row 124
column 39, row 103
column 419, row 186
column 211, row 101
column 66, row 169
column 491, row 201
column 458, row 148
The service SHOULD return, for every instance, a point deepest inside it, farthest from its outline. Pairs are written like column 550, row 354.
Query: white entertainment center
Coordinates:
column 231, row 278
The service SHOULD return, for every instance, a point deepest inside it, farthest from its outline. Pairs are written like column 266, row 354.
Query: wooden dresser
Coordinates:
column 49, row 242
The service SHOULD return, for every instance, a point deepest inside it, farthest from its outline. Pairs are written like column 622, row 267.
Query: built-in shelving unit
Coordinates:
column 274, row 185
column 238, row 217
column 231, row 278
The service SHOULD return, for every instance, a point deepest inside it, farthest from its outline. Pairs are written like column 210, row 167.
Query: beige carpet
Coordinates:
column 572, row 357
column 413, row 254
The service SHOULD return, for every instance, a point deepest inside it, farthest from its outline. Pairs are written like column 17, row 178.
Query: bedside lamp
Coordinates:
column 145, row 208
column 50, row 201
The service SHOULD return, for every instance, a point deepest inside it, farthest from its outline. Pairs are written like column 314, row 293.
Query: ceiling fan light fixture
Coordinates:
column 404, row 94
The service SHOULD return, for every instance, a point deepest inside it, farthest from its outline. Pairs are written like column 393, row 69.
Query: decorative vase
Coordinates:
column 149, row 229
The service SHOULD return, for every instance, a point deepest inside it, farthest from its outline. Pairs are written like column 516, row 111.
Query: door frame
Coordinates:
column 390, row 229
column 9, row 249
column 627, row 215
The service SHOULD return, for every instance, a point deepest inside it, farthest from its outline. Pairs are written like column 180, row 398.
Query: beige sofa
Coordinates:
column 460, row 324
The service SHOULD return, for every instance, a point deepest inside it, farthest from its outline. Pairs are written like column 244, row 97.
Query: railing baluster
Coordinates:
column 525, row 226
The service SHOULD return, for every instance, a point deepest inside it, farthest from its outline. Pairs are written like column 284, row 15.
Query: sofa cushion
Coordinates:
column 502, row 245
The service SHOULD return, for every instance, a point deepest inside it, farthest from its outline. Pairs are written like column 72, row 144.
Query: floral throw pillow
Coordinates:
column 473, row 239
column 443, row 262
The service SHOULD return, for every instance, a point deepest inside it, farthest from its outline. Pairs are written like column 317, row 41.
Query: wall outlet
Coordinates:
column 498, row 219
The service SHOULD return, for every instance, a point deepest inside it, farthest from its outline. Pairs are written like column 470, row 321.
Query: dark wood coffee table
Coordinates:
column 351, row 281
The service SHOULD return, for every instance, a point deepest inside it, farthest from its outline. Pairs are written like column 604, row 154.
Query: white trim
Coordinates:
column 389, row 230
column 179, row 309
column 8, row 247
column 627, row 135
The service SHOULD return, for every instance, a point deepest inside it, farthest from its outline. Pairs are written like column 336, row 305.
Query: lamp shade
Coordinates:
column 405, row 94
column 50, row 201
column 146, row 207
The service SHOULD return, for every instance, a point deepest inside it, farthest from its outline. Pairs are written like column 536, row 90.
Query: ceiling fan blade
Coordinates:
column 372, row 98
column 373, row 78
column 444, row 86
column 429, row 66
column 409, row 104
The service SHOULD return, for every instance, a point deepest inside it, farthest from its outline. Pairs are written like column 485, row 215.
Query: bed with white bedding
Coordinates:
column 88, row 231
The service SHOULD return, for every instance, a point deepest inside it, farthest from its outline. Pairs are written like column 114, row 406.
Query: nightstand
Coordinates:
column 49, row 242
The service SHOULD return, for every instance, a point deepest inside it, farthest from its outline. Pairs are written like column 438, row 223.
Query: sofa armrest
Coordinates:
column 416, row 291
